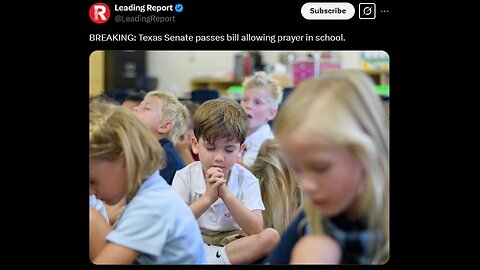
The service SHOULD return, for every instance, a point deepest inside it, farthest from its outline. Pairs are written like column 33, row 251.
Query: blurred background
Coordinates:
column 201, row 75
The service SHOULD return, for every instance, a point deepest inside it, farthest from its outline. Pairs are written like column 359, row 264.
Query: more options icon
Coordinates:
column 366, row 11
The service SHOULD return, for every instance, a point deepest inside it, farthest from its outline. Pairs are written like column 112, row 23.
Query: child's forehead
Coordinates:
column 222, row 141
column 259, row 89
column 263, row 92
column 153, row 101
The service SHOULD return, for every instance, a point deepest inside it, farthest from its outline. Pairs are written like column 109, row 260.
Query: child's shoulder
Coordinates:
column 193, row 165
column 265, row 131
column 241, row 172
column 194, row 168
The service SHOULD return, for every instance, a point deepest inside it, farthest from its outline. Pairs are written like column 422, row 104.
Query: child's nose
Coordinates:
column 218, row 157
column 307, row 184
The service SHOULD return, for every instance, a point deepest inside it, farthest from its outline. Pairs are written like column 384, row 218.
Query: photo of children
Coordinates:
column 264, row 157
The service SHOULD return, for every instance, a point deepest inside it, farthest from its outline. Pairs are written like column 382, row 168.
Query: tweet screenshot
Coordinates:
column 238, row 133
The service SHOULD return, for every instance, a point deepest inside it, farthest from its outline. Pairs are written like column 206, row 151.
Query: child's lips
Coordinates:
column 319, row 202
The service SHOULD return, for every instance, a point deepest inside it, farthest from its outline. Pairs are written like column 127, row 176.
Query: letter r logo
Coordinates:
column 99, row 13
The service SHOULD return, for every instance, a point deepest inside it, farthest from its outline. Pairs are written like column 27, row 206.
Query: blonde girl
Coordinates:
column 156, row 226
column 280, row 193
column 333, row 131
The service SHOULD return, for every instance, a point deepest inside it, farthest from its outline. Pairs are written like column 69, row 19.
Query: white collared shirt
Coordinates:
column 253, row 143
column 189, row 182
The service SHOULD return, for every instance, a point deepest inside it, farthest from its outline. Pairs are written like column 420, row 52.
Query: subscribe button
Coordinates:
column 328, row 11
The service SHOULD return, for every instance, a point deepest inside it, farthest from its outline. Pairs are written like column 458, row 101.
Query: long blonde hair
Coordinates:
column 280, row 193
column 343, row 108
column 115, row 129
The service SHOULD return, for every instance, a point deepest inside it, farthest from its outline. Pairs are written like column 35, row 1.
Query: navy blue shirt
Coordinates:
column 174, row 161
column 282, row 252
column 353, row 238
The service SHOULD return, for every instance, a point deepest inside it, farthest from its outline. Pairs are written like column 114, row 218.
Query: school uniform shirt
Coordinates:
column 353, row 238
column 159, row 225
column 190, row 184
column 253, row 143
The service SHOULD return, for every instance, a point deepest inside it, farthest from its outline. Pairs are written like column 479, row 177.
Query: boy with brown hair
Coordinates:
column 224, row 196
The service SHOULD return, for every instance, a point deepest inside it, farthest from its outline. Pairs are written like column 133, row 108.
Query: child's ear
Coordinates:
column 194, row 145
column 240, row 152
column 272, row 114
column 165, row 128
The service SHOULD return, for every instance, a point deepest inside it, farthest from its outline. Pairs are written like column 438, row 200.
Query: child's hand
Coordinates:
column 222, row 190
column 214, row 178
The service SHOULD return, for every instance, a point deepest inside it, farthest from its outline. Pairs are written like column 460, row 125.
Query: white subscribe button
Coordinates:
column 328, row 11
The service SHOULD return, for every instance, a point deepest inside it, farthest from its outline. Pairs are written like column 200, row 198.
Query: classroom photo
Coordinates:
column 239, row 157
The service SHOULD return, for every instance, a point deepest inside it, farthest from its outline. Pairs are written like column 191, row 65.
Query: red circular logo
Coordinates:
column 99, row 13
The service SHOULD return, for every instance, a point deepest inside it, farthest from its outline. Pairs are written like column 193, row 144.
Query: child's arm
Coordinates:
column 251, row 222
column 306, row 250
column 116, row 254
column 214, row 178
column 200, row 206
column 99, row 228
column 102, row 252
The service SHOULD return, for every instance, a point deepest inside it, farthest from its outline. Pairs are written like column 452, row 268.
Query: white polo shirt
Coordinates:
column 253, row 143
column 189, row 182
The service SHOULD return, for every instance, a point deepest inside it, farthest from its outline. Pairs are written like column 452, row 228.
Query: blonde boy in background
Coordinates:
column 260, row 101
column 167, row 118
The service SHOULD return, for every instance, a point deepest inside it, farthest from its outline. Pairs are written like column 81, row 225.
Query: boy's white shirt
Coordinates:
column 189, row 182
column 253, row 143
